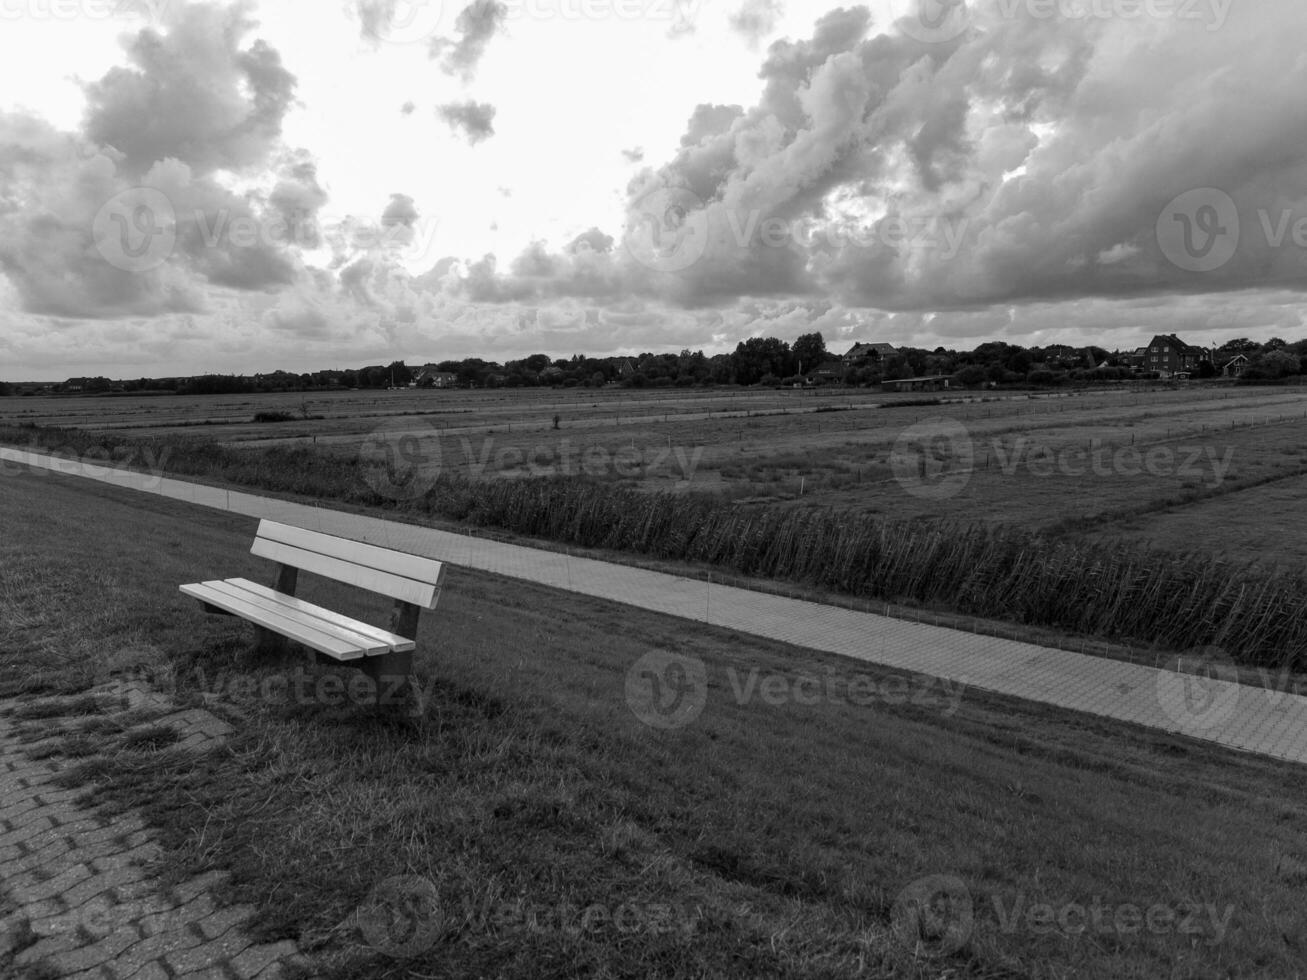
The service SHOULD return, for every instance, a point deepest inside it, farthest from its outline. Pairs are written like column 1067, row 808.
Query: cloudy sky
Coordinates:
column 237, row 187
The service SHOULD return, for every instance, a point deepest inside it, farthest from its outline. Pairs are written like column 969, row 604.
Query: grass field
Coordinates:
column 1072, row 512
column 561, row 837
column 829, row 448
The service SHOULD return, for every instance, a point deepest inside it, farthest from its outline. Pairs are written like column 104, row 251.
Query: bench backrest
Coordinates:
column 397, row 574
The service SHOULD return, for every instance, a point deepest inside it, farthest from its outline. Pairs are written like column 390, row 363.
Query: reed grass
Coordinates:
column 1126, row 594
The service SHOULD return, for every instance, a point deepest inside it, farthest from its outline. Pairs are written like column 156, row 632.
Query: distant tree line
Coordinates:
column 757, row 361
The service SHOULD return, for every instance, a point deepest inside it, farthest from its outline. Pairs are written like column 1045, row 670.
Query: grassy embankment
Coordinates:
column 1109, row 591
column 760, row 840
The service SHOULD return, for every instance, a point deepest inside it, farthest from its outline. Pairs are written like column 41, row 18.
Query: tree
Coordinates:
column 897, row 368
column 4, row 390
column 810, row 351
column 1272, row 366
column 759, row 356
column 1241, row 346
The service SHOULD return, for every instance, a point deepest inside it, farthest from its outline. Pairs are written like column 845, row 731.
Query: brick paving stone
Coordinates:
column 24, row 819
column 209, row 954
column 45, row 838
column 136, row 838
column 44, row 857
column 52, row 796
column 207, row 881
column 210, row 973
column 26, row 833
column 46, row 916
column 61, row 814
column 54, row 886
column 53, row 945
column 97, row 973
column 119, row 829
column 179, row 917
column 15, row 809
column 154, row 948
column 11, row 928
column 136, row 855
column 150, row 971
column 99, row 885
column 96, row 954
column 256, row 959
column 223, row 920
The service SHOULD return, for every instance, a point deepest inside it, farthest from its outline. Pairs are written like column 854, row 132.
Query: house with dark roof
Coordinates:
column 869, row 352
column 826, row 372
column 1169, row 356
column 1235, row 367
column 429, row 377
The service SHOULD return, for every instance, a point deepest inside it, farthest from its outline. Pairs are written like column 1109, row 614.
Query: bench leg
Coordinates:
column 270, row 644
column 266, row 642
column 391, row 675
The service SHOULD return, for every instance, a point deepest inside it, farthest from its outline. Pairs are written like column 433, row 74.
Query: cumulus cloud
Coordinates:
column 755, row 19
column 1006, row 182
column 192, row 94
column 126, row 217
column 476, row 25
column 474, row 119
column 1022, row 161
column 634, row 155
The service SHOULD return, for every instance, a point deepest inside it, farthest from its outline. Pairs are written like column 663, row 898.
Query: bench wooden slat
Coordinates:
column 393, row 641
column 333, row 624
column 373, row 579
column 425, row 570
column 311, row 634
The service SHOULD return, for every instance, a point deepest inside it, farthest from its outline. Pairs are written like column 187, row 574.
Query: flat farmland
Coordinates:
column 1205, row 467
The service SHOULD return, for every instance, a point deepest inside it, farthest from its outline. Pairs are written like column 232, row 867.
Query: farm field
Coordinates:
column 1184, row 468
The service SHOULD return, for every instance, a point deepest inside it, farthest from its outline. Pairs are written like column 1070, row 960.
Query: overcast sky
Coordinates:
column 220, row 187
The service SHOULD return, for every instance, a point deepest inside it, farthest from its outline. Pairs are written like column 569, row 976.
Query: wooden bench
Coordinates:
column 385, row 655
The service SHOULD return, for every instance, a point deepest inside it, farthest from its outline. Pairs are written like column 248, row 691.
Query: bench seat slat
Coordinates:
column 393, row 641
column 312, row 633
column 373, row 579
column 333, row 624
column 425, row 570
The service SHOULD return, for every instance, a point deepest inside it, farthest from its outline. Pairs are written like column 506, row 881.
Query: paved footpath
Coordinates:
column 1266, row 720
column 77, row 897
